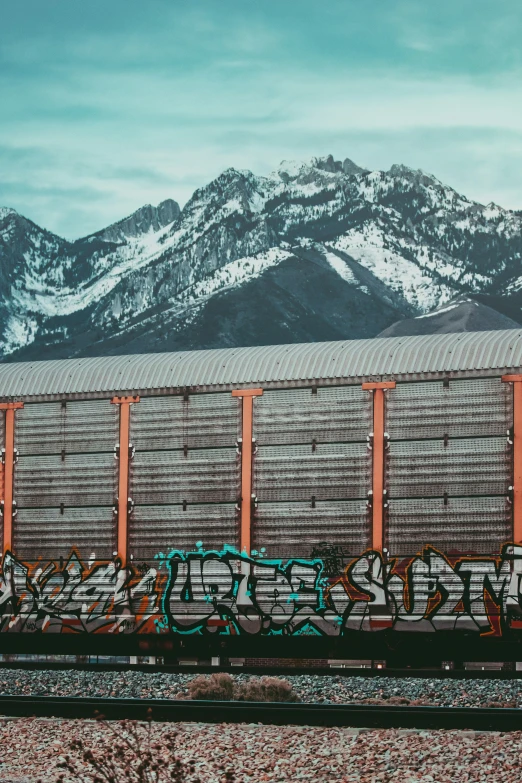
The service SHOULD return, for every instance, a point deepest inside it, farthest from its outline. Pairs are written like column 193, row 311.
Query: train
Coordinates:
column 342, row 500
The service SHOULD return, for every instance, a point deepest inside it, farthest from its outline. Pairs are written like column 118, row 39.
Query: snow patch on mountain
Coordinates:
column 235, row 273
column 341, row 267
column 446, row 309
column 36, row 297
column 370, row 246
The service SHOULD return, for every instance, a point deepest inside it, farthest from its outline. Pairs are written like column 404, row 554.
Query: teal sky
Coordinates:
column 106, row 105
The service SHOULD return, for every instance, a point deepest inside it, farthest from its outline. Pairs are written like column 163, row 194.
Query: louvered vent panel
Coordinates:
column 465, row 408
column 469, row 525
column 75, row 428
column 287, row 530
column 160, row 529
column 331, row 415
column 48, row 534
column 203, row 476
column 331, row 472
column 78, row 480
column 202, row 421
column 475, row 466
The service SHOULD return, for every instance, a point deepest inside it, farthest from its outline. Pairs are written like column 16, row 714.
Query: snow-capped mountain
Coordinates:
column 315, row 251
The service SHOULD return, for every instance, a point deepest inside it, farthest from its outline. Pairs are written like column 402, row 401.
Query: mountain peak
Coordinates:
column 413, row 175
column 140, row 222
column 290, row 170
column 6, row 212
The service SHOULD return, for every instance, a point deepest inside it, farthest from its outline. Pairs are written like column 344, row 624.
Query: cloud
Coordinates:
column 163, row 97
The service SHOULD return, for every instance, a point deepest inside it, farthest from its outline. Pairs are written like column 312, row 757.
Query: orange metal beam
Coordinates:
column 123, row 474
column 246, row 464
column 8, row 471
column 379, row 419
column 370, row 385
column 516, row 380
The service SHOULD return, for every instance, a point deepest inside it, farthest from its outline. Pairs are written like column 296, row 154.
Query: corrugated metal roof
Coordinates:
column 390, row 357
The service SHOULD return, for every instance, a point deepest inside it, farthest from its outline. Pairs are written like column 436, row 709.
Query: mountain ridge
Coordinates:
column 318, row 247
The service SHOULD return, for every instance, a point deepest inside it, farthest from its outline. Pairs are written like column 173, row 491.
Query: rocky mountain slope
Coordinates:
column 315, row 251
column 459, row 315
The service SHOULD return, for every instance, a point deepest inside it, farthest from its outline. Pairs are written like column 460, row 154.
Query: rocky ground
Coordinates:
column 33, row 748
column 309, row 688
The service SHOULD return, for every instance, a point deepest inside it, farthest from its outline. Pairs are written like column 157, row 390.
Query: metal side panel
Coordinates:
column 76, row 427
column 202, row 421
column 203, row 476
column 78, row 480
column 331, row 472
column 160, row 529
column 338, row 414
column 287, row 530
column 464, row 408
column 470, row 525
column 48, row 535
column 477, row 466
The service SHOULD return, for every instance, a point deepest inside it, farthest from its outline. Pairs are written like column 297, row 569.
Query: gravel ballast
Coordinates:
column 325, row 689
column 32, row 748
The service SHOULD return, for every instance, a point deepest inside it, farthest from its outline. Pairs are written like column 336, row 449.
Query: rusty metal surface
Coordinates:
column 170, row 477
column 161, row 529
column 73, row 427
column 465, row 524
column 339, row 414
column 200, row 421
column 430, row 468
column 459, row 408
column 287, row 530
column 46, row 533
column 78, row 480
column 376, row 358
column 331, row 472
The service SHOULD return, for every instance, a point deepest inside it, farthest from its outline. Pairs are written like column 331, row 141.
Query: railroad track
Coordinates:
column 302, row 714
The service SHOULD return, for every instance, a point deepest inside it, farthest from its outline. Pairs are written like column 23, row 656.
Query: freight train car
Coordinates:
column 348, row 499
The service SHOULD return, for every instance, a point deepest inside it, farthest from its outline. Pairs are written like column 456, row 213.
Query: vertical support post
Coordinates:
column 516, row 380
column 123, row 475
column 8, row 471
column 378, row 446
column 247, row 396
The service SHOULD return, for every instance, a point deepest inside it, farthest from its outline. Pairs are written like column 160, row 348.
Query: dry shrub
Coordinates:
column 217, row 687
column 266, row 689
column 128, row 752
column 221, row 687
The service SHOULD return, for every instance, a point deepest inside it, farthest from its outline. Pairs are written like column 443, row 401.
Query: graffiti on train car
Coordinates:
column 229, row 593
column 430, row 593
column 76, row 597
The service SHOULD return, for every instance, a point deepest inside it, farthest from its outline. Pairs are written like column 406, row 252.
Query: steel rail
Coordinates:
column 300, row 714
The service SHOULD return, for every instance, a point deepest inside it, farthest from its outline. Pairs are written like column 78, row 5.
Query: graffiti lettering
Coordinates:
column 210, row 592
